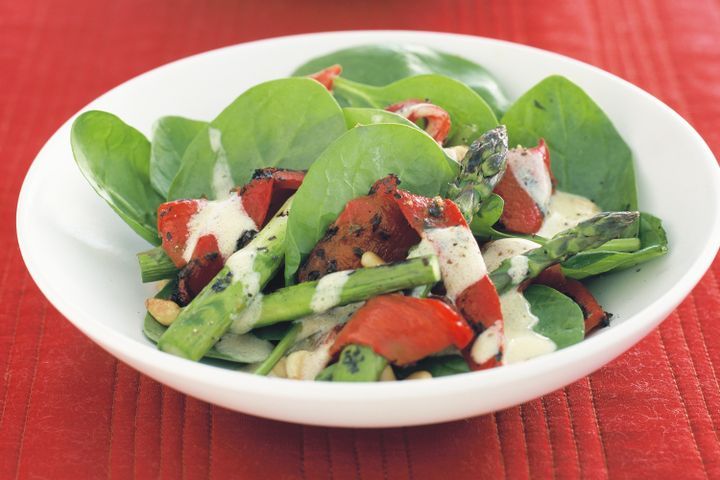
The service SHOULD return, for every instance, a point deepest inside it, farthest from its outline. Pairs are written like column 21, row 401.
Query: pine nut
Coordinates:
column 419, row 375
column 371, row 259
column 164, row 311
column 279, row 369
column 387, row 374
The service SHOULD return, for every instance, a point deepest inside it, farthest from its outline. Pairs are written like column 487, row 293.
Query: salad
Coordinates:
column 385, row 213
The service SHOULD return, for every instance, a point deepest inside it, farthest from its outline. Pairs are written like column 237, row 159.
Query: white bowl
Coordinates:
column 82, row 256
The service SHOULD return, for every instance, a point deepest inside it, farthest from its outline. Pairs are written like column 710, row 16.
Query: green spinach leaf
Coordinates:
column 383, row 64
column 470, row 115
column 115, row 159
column 653, row 244
column 588, row 155
column 171, row 137
column 559, row 318
column 488, row 215
column 370, row 116
column 443, row 366
column 349, row 167
column 282, row 123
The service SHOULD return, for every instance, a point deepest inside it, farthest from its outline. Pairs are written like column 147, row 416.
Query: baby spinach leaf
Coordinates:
column 470, row 115
column 383, row 64
column 349, row 167
column 115, row 159
column 171, row 137
column 282, row 123
column 490, row 211
column 444, row 365
column 559, row 318
column 653, row 244
column 588, row 155
column 370, row 116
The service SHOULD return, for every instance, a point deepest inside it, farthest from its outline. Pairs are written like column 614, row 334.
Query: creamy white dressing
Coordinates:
column 566, row 210
column 532, row 174
column 327, row 293
column 245, row 321
column 461, row 262
column 306, row 365
column 226, row 220
column 518, row 269
column 422, row 249
column 222, row 176
column 322, row 323
column 487, row 344
column 498, row 250
column 311, row 352
column 521, row 342
column 242, row 267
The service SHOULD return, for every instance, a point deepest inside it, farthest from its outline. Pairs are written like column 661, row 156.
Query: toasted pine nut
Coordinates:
column 279, row 369
column 387, row 374
column 295, row 363
column 164, row 311
column 419, row 375
column 371, row 259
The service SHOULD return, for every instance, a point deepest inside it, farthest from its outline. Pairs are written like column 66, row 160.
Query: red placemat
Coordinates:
column 68, row 409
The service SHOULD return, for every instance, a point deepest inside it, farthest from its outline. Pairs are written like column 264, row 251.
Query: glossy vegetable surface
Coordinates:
column 283, row 123
column 383, row 64
column 115, row 159
column 349, row 167
column 588, row 155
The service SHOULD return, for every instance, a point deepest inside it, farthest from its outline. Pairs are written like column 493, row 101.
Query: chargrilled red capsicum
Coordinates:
column 371, row 223
column 437, row 119
column 442, row 226
column 404, row 329
column 526, row 188
column 199, row 235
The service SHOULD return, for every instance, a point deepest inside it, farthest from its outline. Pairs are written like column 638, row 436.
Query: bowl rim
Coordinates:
column 135, row 353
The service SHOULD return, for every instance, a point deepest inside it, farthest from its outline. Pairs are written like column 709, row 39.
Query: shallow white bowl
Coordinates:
column 82, row 256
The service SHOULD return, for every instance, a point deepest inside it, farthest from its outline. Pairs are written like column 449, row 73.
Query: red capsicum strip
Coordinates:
column 478, row 302
column 593, row 312
column 260, row 198
column 438, row 120
column 268, row 189
column 521, row 214
column 371, row 223
column 405, row 329
column 327, row 76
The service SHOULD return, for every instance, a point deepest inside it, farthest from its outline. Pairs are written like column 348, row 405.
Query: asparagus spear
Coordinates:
column 481, row 169
column 245, row 273
column 335, row 289
column 586, row 235
column 155, row 265
column 231, row 347
column 360, row 362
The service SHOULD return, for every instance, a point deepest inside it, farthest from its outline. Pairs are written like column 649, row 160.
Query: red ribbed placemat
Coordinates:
column 68, row 409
